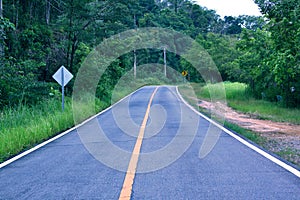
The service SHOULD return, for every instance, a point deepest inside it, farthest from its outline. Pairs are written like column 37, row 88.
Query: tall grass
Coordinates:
column 233, row 91
column 23, row 127
column 238, row 97
column 267, row 110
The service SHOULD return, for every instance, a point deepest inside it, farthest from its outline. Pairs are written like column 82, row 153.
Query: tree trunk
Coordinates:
column 176, row 6
column 70, row 34
column 1, row 32
column 1, row 9
column 31, row 11
column 48, row 8
column 73, row 51
column 17, row 14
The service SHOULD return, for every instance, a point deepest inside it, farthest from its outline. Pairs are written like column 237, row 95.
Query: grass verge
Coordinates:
column 191, row 95
column 238, row 99
column 24, row 127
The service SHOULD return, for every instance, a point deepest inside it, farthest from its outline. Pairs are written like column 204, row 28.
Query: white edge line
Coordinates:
column 17, row 157
column 243, row 141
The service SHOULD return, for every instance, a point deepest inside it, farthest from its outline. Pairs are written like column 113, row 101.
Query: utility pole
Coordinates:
column 165, row 62
column 134, row 64
column 134, row 52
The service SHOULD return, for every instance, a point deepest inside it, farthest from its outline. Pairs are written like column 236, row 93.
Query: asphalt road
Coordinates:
column 84, row 165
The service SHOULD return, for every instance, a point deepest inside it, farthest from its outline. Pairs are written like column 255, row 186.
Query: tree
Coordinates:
column 1, row 32
column 254, row 48
column 284, row 26
column 205, row 20
column 232, row 25
column 252, row 22
column 51, row 33
column 47, row 11
column 80, row 16
column 222, row 49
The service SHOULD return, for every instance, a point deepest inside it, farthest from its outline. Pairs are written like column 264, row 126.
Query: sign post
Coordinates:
column 62, row 76
column 165, row 62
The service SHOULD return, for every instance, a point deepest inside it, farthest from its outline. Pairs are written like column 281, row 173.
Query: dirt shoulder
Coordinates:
column 280, row 138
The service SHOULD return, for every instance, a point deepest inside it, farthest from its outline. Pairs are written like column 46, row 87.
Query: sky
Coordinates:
column 231, row 7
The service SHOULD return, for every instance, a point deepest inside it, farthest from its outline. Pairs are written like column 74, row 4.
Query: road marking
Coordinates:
column 130, row 174
column 243, row 141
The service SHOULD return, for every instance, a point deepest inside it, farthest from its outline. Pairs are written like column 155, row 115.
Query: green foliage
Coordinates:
column 64, row 32
column 240, row 98
column 253, row 48
column 267, row 110
column 23, row 127
column 19, row 84
column 234, row 91
column 222, row 50
column 254, row 137
column 233, row 25
column 39, row 38
column 5, row 25
column 269, row 57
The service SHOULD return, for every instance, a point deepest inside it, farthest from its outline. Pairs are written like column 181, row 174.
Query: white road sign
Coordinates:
column 62, row 76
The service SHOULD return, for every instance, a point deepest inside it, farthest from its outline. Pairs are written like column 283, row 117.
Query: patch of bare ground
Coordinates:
column 280, row 138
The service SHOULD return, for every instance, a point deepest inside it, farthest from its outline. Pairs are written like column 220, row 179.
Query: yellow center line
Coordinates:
column 130, row 174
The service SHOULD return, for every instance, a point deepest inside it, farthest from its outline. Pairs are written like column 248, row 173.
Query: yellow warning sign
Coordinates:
column 184, row 73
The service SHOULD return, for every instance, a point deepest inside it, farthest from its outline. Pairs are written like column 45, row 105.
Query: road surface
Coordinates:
column 168, row 165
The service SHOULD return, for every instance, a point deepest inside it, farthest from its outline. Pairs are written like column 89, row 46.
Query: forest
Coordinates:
column 39, row 36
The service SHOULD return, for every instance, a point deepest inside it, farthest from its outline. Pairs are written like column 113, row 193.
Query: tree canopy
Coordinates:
column 37, row 37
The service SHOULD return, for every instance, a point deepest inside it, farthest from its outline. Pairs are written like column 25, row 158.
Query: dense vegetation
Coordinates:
column 37, row 37
column 239, row 98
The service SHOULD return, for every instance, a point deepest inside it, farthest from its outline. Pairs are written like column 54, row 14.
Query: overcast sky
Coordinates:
column 231, row 7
